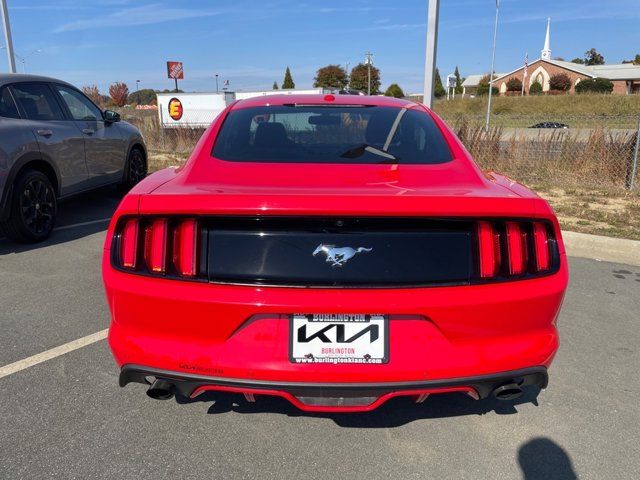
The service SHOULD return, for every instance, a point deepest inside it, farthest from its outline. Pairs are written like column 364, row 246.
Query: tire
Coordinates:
column 33, row 208
column 134, row 170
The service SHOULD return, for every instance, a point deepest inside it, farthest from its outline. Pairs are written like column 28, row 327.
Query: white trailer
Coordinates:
column 292, row 91
column 195, row 110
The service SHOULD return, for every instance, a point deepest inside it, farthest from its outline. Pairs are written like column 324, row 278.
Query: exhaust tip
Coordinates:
column 160, row 390
column 508, row 391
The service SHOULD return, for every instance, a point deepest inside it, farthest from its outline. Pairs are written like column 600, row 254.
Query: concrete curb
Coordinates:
column 609, row 249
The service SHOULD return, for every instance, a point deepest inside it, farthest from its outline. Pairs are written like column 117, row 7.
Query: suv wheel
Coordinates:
column 33, row 208
column 135, row 169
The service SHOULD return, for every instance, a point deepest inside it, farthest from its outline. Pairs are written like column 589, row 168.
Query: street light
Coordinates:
column 368, row 56
column 24, row 59
column 217, row 83
column 137, row 84
column 493, row 61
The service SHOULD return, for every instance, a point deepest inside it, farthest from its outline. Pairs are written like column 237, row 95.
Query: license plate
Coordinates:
column 339, row 338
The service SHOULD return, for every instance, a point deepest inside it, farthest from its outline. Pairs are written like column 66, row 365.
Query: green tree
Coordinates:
column 592, row 57
column 288, row 80
column 358, row 80
column 331, row 76
column 438, row 88
column 635, row 61
column 514, row 85
column 394, row 90
column 483, row 87
column 579, row 61
column 146, row 96
column 275, row 85
column 535, row 88
column 594, row 85
column 459, row 81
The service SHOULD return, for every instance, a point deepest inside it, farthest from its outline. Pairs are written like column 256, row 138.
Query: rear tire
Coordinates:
column 33, row 208
column 135, row 169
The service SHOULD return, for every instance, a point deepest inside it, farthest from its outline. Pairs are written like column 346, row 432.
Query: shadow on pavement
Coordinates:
column 541, row 458
column 394, row 413
column 78, row 217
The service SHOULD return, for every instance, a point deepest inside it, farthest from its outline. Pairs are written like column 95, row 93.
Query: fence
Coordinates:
column 595, row 152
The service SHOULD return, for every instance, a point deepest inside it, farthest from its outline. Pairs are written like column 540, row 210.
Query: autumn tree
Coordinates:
column 288, row 80
column 394, row 90
column 560, row 81
column 359, row 78
column 93, row 93
column 331, row 76
column 119, row 92
column 514, row 85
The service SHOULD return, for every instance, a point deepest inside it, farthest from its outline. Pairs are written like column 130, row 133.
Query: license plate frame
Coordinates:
column 336, row 327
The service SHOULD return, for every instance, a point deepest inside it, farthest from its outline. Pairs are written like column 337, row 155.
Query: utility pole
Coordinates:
column 217, row 83
column 433, row 10
column 137, row 84
column 368, row 56
column 7, row 37
column 493, row 61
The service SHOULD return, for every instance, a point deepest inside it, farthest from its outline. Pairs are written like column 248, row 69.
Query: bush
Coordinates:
column 394, row 90
column 146, row 96
column 483, row 87
column 594, row 85
column 561, row 82
column 535, row 88
column 514, row 85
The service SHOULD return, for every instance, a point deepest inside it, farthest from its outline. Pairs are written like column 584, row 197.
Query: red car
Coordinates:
column 336, row 251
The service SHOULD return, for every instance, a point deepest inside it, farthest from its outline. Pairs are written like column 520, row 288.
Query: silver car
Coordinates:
column 55, row 143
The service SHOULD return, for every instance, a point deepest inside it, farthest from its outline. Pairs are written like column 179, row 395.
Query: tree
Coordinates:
column 560, row 81
column 483, row 87
column 635, row 61
column 577, row 60
column 331, row 76
column 119, row 92
column 358, row 79
column 594, row 85
column 94, row 94
column 459, row 81
column 394, row 90
column 275, row 85
column 560, row 59
column 592, row 57
column 438, row 88
column 146, row 96
column 535, row 88
column 288, row 80
column 514, row 85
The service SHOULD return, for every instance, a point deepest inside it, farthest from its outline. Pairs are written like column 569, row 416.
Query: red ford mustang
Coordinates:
column 337, row 252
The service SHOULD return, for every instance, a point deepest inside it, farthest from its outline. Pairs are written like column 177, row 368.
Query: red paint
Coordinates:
column 242, row 332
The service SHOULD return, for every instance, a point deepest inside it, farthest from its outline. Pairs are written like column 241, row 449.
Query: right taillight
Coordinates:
column 514, row 249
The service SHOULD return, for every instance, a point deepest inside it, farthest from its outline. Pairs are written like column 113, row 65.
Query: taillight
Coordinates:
column 159, row 246
column 514, row 248
column 541, row 247
column 185, row 248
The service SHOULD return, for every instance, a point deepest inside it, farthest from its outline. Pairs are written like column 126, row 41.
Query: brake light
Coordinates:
column 185, row 248
column 541, row 247
column 489, row 249
column 516, row 248
column 155, row 245
column 129, row 244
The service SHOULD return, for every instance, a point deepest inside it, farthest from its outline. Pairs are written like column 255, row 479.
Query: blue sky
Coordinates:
column 251, row 42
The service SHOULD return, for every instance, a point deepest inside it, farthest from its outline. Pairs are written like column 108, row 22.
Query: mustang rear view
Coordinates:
column 337, row 252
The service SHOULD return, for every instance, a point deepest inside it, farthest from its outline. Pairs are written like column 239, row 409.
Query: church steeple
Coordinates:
column 546, row 51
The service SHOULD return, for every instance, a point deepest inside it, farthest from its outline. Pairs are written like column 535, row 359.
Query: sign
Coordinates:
column 175, row 109
column 174, row 70
column 451, row 81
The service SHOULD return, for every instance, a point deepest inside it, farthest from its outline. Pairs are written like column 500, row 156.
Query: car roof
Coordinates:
column 6, row 78
column 326, row 99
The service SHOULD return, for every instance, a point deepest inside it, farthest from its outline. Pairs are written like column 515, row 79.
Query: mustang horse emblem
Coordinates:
column 338, row 256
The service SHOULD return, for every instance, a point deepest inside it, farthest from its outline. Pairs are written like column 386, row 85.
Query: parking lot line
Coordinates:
column 52, row 353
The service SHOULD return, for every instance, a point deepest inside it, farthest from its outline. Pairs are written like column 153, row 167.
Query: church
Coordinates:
column 625, row 77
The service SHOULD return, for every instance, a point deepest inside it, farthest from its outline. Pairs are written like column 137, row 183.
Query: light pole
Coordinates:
column 217, row 91
column 137, row 84
column 493, row 61
column 23, row 60
column 431, row 49
column 7, row 36
column 368, row 56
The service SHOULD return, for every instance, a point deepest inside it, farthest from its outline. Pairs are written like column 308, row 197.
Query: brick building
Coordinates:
column 625, row 77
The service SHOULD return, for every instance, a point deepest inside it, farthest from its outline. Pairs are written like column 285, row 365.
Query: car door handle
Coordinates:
column 88, row 131
column 45, row 133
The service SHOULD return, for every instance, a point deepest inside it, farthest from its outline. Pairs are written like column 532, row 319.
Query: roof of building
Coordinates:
column 473, row 80
column 623, row 71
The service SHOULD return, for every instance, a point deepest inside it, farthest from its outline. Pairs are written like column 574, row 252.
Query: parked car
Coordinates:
column 336, row 251
column 549, row 125
column 55, row 143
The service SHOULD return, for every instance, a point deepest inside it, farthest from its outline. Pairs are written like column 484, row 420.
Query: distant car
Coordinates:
column 348, row 91
column 336, row 251
column 55, row 143
column 549, row 125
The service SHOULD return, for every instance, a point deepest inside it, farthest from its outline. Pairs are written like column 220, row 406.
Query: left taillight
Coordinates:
column 159, row 246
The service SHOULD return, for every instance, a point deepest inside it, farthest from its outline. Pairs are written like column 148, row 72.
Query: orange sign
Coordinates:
column 175, row 109
column 174, row 70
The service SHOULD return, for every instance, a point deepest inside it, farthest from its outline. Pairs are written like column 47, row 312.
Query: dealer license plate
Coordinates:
column 339, row 338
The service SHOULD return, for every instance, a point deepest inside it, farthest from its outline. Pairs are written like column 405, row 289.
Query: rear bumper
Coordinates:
column 327, row 397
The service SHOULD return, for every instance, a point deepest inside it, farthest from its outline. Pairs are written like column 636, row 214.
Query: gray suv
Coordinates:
column 55, row 143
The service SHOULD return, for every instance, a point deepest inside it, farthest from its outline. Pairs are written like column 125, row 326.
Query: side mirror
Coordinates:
column 111, row 117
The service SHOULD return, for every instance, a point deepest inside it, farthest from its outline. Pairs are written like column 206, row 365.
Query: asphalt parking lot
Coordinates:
column 67, row 418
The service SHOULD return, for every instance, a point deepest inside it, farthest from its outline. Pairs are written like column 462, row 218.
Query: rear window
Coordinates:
column 336, row 134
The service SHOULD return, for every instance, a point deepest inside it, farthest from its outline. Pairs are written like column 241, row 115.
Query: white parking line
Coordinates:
column 52, row 353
